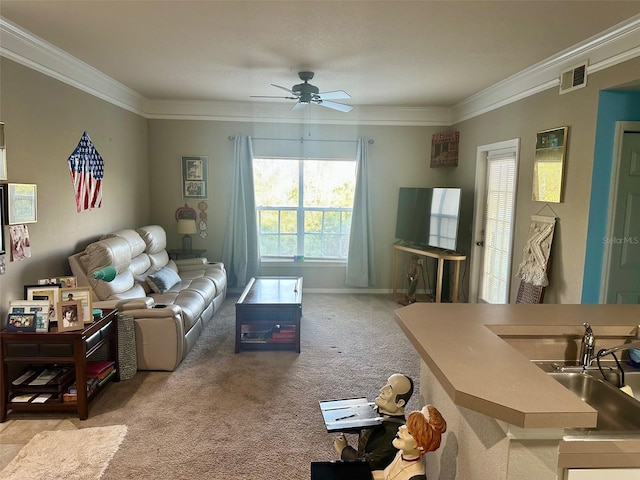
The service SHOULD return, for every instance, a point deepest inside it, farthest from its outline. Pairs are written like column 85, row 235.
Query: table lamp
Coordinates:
column 186, row 228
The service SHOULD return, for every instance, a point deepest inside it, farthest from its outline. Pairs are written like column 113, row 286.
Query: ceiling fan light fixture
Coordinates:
column 306, row 93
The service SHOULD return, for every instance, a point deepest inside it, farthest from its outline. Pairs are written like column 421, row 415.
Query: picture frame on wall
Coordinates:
column 194, row 177
column 22, row 203
column 548, row 165
column 444, row 149
column 83, row 294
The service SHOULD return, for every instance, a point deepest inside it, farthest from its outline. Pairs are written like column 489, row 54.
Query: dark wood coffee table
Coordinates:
column 268, row 314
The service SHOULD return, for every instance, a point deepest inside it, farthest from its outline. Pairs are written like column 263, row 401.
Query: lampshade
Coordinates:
column 187, row 227
column 106, row 274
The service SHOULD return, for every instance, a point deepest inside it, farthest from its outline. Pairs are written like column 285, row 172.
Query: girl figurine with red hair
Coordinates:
column 421, row 434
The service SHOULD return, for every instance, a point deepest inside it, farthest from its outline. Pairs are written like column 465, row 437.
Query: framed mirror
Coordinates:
column 548, row 165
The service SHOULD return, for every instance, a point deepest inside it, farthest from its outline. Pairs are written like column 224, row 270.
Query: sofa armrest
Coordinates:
column 159, row 332
column 187, row 262
column 135, row 303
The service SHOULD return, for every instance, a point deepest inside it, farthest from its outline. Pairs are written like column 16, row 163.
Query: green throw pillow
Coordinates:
column 163, row 280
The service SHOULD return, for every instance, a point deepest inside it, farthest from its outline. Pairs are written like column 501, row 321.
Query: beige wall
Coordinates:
column 577, row 110
column 44, row 120
column 399, row 156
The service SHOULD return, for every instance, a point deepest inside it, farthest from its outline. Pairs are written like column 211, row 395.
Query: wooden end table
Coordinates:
column 70, row 348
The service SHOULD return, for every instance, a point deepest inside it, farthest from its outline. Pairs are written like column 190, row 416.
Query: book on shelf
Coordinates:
column 93, row 382
column 97, row 367
column 280, row 340
column 286, row 335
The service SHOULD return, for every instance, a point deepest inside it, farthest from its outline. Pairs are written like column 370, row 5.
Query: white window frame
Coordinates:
column 301, row 209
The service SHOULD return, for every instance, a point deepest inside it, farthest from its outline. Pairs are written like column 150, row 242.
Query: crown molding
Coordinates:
column 282, row 113
column 611, row 47
column 33, row 52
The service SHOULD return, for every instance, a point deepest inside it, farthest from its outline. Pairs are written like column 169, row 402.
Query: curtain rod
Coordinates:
column 302, row 140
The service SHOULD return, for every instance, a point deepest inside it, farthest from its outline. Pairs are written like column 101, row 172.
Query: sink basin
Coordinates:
column 617, row 411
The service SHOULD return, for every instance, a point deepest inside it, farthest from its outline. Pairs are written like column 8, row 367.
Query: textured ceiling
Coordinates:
column 389, row 53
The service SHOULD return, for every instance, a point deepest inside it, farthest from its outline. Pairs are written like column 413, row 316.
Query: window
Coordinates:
column 304, row 206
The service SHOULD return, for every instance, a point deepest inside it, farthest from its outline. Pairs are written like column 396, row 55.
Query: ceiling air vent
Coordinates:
column 573, row 78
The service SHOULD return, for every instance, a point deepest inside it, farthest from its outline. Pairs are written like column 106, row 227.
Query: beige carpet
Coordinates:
column 254, row 415
column 82, row 454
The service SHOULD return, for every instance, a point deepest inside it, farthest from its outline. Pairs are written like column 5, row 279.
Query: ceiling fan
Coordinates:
column 306, row 93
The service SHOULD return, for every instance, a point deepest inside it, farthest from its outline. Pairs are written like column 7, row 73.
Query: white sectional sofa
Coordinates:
column 171, row 301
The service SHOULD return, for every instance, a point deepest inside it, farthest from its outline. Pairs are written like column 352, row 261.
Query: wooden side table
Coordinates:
column 71, row 348
column 177, row 254
column 441, row 256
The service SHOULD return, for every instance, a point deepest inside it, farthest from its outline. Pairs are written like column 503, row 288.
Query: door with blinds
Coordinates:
column 495, row 211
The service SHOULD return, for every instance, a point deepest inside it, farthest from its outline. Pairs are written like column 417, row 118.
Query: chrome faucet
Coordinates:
column 587, row 348
column 624, row 346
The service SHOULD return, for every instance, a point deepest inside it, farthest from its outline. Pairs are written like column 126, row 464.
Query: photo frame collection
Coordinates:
column 55, row 300
column 194, row 177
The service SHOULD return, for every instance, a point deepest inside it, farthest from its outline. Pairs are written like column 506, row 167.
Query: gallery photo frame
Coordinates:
column 194, row 177
column 39, row 307
column 83, row 294
column 21, row 322
column 22, row 203
column 50, row 293
column 69, row 315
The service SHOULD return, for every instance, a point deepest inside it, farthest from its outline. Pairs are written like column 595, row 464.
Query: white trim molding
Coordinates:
column 611, row 47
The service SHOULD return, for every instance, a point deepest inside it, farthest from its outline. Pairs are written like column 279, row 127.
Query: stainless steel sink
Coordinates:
column 617, row 411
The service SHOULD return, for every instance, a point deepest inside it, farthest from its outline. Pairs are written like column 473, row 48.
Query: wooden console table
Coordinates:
column 441, row 256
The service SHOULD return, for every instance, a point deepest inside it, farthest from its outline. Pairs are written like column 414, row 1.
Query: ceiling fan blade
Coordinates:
column 299, row 106
column 272, row 96
column 335, row 95
column 336, row 106
column 285, row 89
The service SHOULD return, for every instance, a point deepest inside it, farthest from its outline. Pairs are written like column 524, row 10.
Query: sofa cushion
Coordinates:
column 154, row 237
column 133, row 238
column 162, row 280
column 113, row 251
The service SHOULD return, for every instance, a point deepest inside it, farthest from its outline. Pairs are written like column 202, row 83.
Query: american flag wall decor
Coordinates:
column 87, row 170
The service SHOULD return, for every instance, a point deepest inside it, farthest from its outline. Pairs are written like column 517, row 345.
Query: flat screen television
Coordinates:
column 428, row 217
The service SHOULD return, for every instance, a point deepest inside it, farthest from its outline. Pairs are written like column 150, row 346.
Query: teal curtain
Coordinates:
column 360, row 264
column 241, row 252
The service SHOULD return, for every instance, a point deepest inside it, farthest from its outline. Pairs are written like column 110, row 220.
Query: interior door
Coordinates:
column 622, row 282
column 494, row 222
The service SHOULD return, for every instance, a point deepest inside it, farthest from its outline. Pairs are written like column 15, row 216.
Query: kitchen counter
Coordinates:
column 480, row 357
column 462, row 345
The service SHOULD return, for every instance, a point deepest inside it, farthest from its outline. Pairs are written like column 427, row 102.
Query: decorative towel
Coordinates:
column 533, row 268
